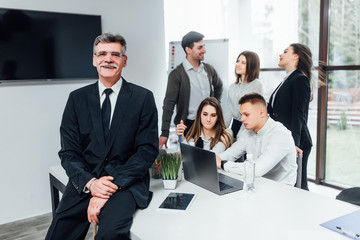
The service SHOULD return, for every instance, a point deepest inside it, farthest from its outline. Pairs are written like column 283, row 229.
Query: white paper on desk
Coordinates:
column 349, row 223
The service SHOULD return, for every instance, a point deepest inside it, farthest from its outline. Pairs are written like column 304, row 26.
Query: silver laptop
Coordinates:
column 200, row 168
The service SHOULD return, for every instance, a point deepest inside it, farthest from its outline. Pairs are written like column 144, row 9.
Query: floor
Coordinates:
column 35, row 228
column 323, row 190
column 30, row 229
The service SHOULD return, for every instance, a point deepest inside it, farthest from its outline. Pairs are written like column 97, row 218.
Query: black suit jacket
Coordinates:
column 127, row 154
column 291, row 106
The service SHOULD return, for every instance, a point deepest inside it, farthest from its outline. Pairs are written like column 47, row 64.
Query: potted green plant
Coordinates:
column 170, row 164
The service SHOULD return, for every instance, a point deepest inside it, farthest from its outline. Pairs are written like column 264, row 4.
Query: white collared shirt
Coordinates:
column 273, row 149
column 113, row 96
column 199, row 86
column 277, row 89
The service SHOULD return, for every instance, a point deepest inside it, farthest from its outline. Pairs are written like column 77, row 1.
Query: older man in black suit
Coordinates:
column 108, row 142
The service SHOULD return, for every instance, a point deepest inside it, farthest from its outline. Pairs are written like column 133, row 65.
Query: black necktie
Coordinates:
column 199, row 143
column 106, row 112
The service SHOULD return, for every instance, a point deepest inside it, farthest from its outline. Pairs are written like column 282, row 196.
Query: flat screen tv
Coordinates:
column 37, row 45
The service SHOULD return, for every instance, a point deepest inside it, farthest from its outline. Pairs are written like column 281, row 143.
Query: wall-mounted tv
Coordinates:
column 36, row 45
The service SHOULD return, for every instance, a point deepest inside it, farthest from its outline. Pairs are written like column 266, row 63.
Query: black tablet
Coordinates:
column 177, row 201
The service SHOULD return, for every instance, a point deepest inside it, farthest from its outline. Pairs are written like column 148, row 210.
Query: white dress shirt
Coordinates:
column 199, row 87
column 277, row 89
column 273, row 150
column 113, row 96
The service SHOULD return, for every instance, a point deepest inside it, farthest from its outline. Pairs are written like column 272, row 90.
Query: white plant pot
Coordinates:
column 181, row 172
column 169, row 184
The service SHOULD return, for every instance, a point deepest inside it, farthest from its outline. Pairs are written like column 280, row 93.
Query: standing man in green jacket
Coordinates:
column 188, row 84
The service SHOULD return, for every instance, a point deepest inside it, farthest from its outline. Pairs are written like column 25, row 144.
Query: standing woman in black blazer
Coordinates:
column 289, row 103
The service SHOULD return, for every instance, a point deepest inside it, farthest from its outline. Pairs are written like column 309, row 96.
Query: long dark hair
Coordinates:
column 219, row 128
column 305, row 63
column 252, row 67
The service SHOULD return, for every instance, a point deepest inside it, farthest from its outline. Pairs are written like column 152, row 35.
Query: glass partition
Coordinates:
column 343, row 128
column 344, row 32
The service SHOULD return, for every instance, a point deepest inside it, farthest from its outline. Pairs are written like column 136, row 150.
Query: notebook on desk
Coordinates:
column 200, row 168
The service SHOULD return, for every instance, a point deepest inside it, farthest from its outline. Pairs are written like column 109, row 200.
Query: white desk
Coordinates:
column 276, row 211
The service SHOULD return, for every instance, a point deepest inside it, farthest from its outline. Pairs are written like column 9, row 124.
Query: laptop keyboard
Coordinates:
column 224, row 186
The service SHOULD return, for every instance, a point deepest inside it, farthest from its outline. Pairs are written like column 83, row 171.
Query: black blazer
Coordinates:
column 291, row 106
column 129, row 151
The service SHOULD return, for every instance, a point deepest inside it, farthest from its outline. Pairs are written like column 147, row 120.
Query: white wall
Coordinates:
column 30, row 114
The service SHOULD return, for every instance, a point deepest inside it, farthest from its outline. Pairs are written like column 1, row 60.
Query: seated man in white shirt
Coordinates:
column 271, row 144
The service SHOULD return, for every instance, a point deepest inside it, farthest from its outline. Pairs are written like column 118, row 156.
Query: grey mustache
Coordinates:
column 109, row 65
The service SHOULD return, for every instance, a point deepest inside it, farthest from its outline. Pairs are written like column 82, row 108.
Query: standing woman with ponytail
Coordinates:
column 289, row 103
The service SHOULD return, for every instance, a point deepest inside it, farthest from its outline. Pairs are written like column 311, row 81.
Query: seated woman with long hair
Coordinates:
column 208, row 131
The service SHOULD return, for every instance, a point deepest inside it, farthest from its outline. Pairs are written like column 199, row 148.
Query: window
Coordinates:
column 343, row 128
column 344, row 33
column 343, row 94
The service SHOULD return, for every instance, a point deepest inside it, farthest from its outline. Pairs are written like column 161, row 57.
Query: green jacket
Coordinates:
column 178, row 93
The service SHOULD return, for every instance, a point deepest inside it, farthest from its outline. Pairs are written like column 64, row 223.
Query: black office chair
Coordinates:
column 299, row 171
column 350, row 195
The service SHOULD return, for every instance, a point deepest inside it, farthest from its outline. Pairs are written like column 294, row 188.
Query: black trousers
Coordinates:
column 304, row 181
column 235, row 127
column 115, row 219
column 188, row 124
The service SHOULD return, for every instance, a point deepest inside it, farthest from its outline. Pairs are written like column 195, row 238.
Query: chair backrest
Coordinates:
column 299, row 171
column 350, row 195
